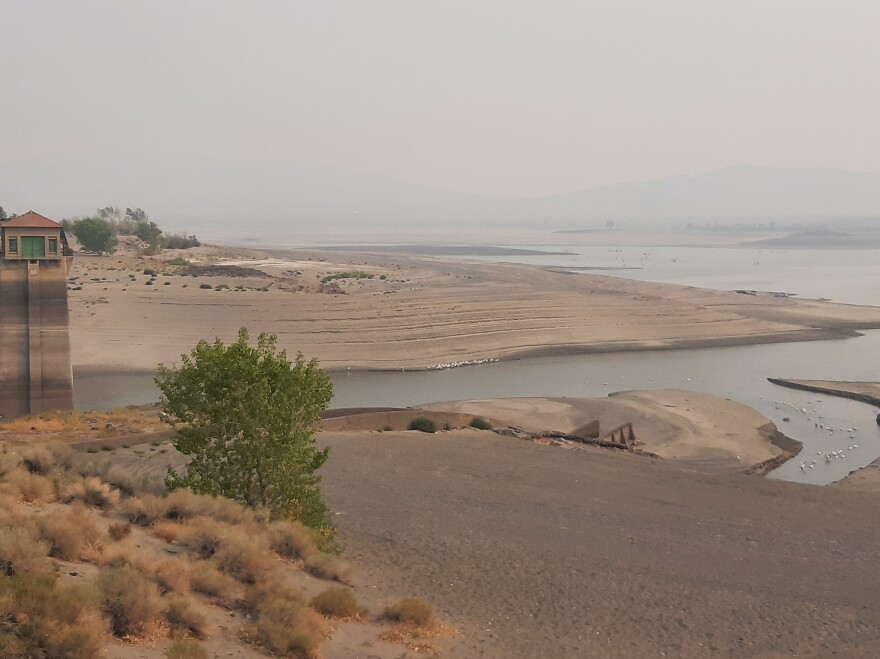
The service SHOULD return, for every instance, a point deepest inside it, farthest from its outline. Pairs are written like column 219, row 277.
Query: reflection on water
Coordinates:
column 738, row 373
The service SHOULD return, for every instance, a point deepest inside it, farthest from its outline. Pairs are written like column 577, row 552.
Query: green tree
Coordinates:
column 248, row 415
column 95, row 234
column 150, row 233
column 3, row 215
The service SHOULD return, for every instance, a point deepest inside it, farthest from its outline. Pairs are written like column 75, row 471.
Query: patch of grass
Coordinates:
column 292, row 539
column 130, row 600
column 338, row 603
column 92, row 491
column 119, row 531
column 32, row 488
column 115, row 555
column 423, row 424
column 329, row 567
column 170, row 574
column 184, row 618
column 22, row 553
column 410, row 611
column 204, row 578
column 186, row 649
column 349, row 274
column 480, row 423
column 146, row 510
column 242, row 556
column 284, row 624
column 42, row 618
column 68, row 534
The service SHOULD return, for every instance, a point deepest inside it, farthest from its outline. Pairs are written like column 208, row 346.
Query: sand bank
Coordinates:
column 392, row 312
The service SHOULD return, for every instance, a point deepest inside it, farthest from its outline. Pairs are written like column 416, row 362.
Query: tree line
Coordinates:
column 100, row 232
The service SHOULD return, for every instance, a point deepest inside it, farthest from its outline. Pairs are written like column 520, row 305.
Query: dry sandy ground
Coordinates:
column 541, row 552
column 426, row 311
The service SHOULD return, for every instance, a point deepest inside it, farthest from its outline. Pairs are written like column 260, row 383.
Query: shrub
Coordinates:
column 170, row 574
column 205, row 286
column 130, row 600
column 92, row 491
column 68, row 534
column 329, row 567
column 284, row 623
column 32, row 488
column 480, row 423
column 37, row 459
column 48, row 619
column 242, row 556
column 186, row 649
column 289, row 628
column 144, row 511
column 204, row 578
column 118, row 531
column 183, row 617
column 338, row 603
column 423, row 424
column 21, row 552
column 291, row 539
column 168, row 531
column 411, row 611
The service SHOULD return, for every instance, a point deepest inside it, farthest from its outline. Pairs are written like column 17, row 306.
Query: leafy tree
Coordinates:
column 150, row 233
column 95, row 234
column 247, row 415
column 138, row 215
column 3, row 215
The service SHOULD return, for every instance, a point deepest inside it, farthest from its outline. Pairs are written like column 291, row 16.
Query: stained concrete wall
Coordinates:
column 35, row 373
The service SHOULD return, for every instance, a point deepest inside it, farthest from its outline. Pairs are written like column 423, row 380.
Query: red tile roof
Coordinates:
column 32, row 220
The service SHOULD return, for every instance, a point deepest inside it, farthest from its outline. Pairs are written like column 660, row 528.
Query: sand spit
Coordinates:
column 391, row 312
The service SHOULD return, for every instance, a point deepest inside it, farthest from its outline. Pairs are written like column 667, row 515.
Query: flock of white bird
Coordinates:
column 819, row 425
column 466, row 362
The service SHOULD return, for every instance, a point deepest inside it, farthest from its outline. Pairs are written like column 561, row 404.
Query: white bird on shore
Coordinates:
column 855, row 445
column 803, row 466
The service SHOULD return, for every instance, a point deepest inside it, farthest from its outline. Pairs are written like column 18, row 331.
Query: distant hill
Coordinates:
column 202, row 195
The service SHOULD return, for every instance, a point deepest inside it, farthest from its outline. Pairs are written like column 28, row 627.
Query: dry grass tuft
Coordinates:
column 171, row 574
column 243, row 557
column 37, row 459
column 130, row 600
column 411, row 611
column 32, row 488
column 326, row 566
column 69, row 534
column 168, row 531
column 42, row 618
column 186, row 649
column 204, row 578
column 292, row 540
column 119, row 554
column 146, row 510
column 92, row 491
column 184, row 618
column 284, row 624
column 338, row 603
column 119, row 531
column 22, row 553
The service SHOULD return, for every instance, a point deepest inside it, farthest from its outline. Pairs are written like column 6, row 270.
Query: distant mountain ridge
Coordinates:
column 195, row 194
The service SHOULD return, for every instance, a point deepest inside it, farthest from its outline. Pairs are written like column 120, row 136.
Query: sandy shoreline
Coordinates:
column 415, row 312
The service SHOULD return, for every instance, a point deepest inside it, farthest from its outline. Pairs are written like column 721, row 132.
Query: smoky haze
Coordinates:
column 406, row 112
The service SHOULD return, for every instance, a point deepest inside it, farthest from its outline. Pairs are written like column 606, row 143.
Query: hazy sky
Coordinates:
column 495, row 96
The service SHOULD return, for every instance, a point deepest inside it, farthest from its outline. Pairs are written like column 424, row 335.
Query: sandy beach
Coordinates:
column 392, row 312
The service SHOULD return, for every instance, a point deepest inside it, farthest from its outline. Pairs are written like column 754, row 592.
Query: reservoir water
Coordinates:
column 739, row 373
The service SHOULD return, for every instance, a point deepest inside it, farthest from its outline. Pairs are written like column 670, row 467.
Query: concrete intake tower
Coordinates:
column 35, row 373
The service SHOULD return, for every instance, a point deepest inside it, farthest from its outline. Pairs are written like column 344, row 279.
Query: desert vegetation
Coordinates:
column 85, row 564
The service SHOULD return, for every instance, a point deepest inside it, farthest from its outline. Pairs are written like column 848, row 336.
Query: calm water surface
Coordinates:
column 842, row 275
